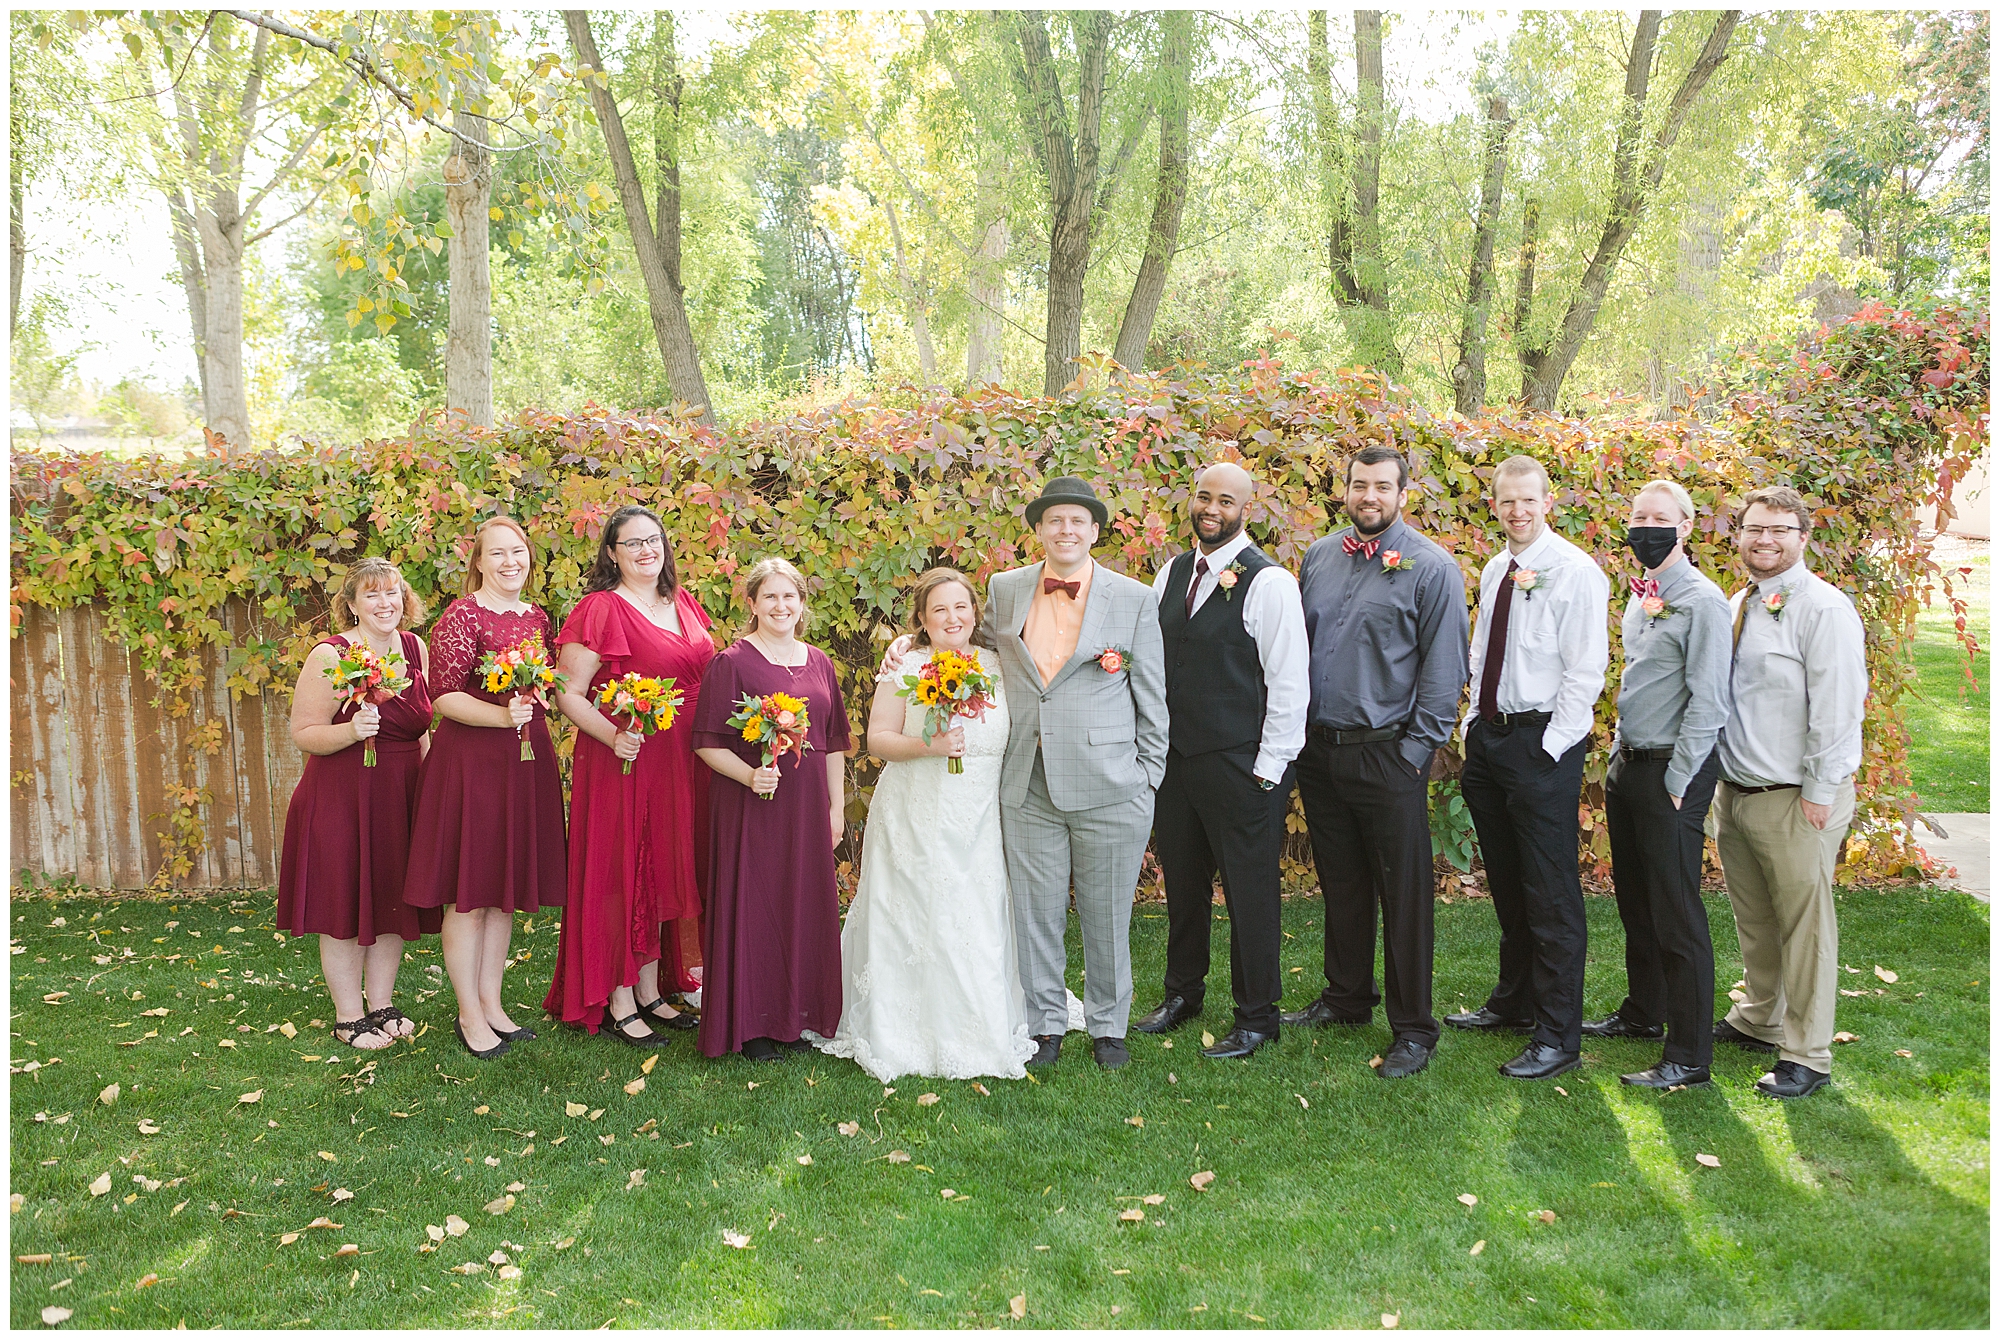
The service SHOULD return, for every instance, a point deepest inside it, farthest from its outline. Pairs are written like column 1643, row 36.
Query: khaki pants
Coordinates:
column 1779, row 869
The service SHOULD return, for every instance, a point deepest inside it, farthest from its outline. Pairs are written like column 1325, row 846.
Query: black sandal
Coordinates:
column 618, row 1027
column 389, row 1014
column 499, row 1048
column 680, row 1021
column 354, row 1028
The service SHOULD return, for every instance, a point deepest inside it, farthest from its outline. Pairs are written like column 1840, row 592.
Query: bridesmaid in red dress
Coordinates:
column 347, row 833
column 771, row 943
column 632, row 835
column 489, row 829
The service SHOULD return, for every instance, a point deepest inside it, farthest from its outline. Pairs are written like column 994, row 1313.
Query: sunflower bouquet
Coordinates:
column 362, row 675
column 776, row 724
column 950, row 684
column 647, row 704
column 523, row 669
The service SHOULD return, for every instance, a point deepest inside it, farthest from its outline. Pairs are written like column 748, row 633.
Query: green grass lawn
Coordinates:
column 1334, row 1199
column 1948, row 718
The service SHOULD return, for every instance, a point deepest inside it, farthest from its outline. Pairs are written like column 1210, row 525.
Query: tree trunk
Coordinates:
column 1632, row 188
column 187, row 250
column 1070, row 166
column 1369, row 321
column 1524, row 286
column 1327, row 132
column 225, row 395
column 913, row 302
column 468, row 189
column 668, row 86
column 1163, row 234
column 986, row 284
column 17, row 231
column 665, row 302
column 1469, row 376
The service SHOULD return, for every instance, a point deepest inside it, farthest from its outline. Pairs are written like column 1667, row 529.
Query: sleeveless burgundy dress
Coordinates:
column 489, row 825
column 347, row 831
column 634, row 837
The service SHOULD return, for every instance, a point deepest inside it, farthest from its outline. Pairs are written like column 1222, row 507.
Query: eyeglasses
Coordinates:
column 1767, row 532
column 640, row 546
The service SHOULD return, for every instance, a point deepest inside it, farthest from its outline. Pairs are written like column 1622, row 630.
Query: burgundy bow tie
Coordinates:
column 1050, row 586
column 1645, row 588
column 1351, row 544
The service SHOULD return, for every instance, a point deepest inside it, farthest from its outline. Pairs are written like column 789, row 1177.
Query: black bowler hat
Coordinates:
column 1067, row 489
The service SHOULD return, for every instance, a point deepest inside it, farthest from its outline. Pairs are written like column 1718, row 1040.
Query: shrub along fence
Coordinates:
column 209, row 573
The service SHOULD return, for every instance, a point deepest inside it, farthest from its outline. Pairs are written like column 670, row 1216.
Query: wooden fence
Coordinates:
column 98, row 774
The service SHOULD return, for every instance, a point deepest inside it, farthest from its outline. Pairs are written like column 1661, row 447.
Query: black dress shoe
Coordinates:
column 521, row 1034
column 1318, row 1015
column 761, row 1049
column 1541, row 1061
column 499, row 1048
column 1173, row 1012
column 1615, row 1025
column 1668, row 1075
column 617, row 1027
column 1238, row 1043
column 797, row 1045
column 679, row 1022
column 1736, row 1037
column 1483, row 1020
column 1110, row 1053
column 1048, row 1046
column 1789, row 1079
column 1406, row 1058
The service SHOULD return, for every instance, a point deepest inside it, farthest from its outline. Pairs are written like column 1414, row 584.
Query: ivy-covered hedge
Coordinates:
column 1871, row 419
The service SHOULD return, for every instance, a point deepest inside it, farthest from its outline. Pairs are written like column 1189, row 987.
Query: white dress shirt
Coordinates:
column 1797, row 688
column 1558, row 638
column 1276, row 622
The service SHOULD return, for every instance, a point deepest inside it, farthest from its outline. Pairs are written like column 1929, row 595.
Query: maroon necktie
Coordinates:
column 1643, row 588
column 1352, row 544
column 1050, row 586
column 1194, row 584
column 1496, row 648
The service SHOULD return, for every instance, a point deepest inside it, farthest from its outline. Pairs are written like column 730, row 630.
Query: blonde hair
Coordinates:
column 1521, row 465
column 474, row 578
column 762, row 571
column 1672, row 490
column 371, row 572
column 920, row 598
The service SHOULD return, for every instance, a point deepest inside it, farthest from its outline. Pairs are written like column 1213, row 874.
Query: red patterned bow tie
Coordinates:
column 1645, row 588
column 1351, row 544
column 1050, row 586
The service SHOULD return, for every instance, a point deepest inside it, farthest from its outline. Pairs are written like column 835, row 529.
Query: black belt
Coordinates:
column 1332, row 736
column 1743, row 790
column 1647, row 755
column 1509, row 720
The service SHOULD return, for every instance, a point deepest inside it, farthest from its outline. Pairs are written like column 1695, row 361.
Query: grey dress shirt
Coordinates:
column 1675, row 690
column 1388, row 648
column 1798, row 688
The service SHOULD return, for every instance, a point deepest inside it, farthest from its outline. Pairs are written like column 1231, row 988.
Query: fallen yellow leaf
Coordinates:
column 455, row 1225
column 1708, row 1160
column 1467, row 1199
column 849, row 1128
column 636, row 1087
column 55, row 1316
column 1201, row 1180
column 257, row 1095
column 731, row 1238
column 574, row 1109
column 101, row 1185
column 1135, row 1121
column 500, row 1206
column 1547, row 1216
column 926, row 1099
column 481, row 1110
column 646, row 1066
column 1375, row 1062
column 434, row 1232
column 517, row 1186
column 898, row 1156
column 1390, row 1321
column 347, row 1249
column 635, row 1178
column 1479, row 1247
column 341, row 1193
column 289, row 1029
column 109, row 1094
column 327, row 1156
column 35, row 1259
column 1208, row 1039
column 1134, row 1215
column 981, row 1090
column 147, row 1126
column 1884, row 973
column 1903, row 1051
column 509, row 1272
column 805, row 1160
column 1155, row 1199
column 1017, row 1306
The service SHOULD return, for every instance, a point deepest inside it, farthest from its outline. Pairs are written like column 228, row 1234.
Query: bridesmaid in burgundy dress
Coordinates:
column 347, row 833
column 771, row 947
column 632, row 835
column 489, row 829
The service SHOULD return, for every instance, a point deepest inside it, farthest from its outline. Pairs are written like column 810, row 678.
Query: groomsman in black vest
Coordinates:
column 1235, row 647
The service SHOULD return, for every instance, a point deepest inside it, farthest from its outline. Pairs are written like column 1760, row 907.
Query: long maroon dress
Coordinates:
column 347, row 831
column 632, row 837
column 489, row 825
column 771, row 940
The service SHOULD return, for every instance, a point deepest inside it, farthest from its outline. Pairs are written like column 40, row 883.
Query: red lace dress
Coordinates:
column 634, row 837
column 347, row 832
column 489, row 823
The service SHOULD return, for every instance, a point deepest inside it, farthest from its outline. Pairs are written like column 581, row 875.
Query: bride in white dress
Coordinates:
column 928, row 965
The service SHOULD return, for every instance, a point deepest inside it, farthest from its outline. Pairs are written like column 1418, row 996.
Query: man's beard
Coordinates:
column 1229, row 531
column 1389, row 519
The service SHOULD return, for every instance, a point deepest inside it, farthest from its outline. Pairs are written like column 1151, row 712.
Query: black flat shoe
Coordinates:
column 1110, row 1053
column 1406, row 1058
column 1789, row 1079
column 1736, row 1037
column 1173, row 1012
column 1668, row 1075
column 617, row 1029
column 500, row 1048
column 1483, row 1020
column 761, row 1049
column 522, row 1034
column 1541, row 1061
column 1319, row 1014
column 1048, row 1046
column 679, row 1021
column 1615, row 1025
column 797, row 1045
column 1238, row 1044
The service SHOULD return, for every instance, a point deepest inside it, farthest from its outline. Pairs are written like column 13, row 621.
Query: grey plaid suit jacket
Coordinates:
column 1103, row 737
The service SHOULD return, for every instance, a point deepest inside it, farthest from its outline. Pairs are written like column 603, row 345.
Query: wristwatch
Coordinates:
column 1266, row 784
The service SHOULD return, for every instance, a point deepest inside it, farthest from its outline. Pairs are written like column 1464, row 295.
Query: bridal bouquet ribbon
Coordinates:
column 775, row 723
column 524, row 669
column 950, row 684
column 361, row 676
column 646, row 705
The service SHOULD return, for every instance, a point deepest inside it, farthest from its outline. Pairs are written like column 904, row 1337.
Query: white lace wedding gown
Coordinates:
column 929, row 977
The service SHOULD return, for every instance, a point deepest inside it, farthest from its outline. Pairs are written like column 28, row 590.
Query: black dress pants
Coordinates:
column 1523, row 807
column 1656, row 870
column 1210, row 814
column 1369, row 817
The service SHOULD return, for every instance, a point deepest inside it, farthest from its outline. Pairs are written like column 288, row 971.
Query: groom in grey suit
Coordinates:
column 1086, row 698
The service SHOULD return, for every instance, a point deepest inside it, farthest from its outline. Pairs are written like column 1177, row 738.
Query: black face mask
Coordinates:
column 1653, row 545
